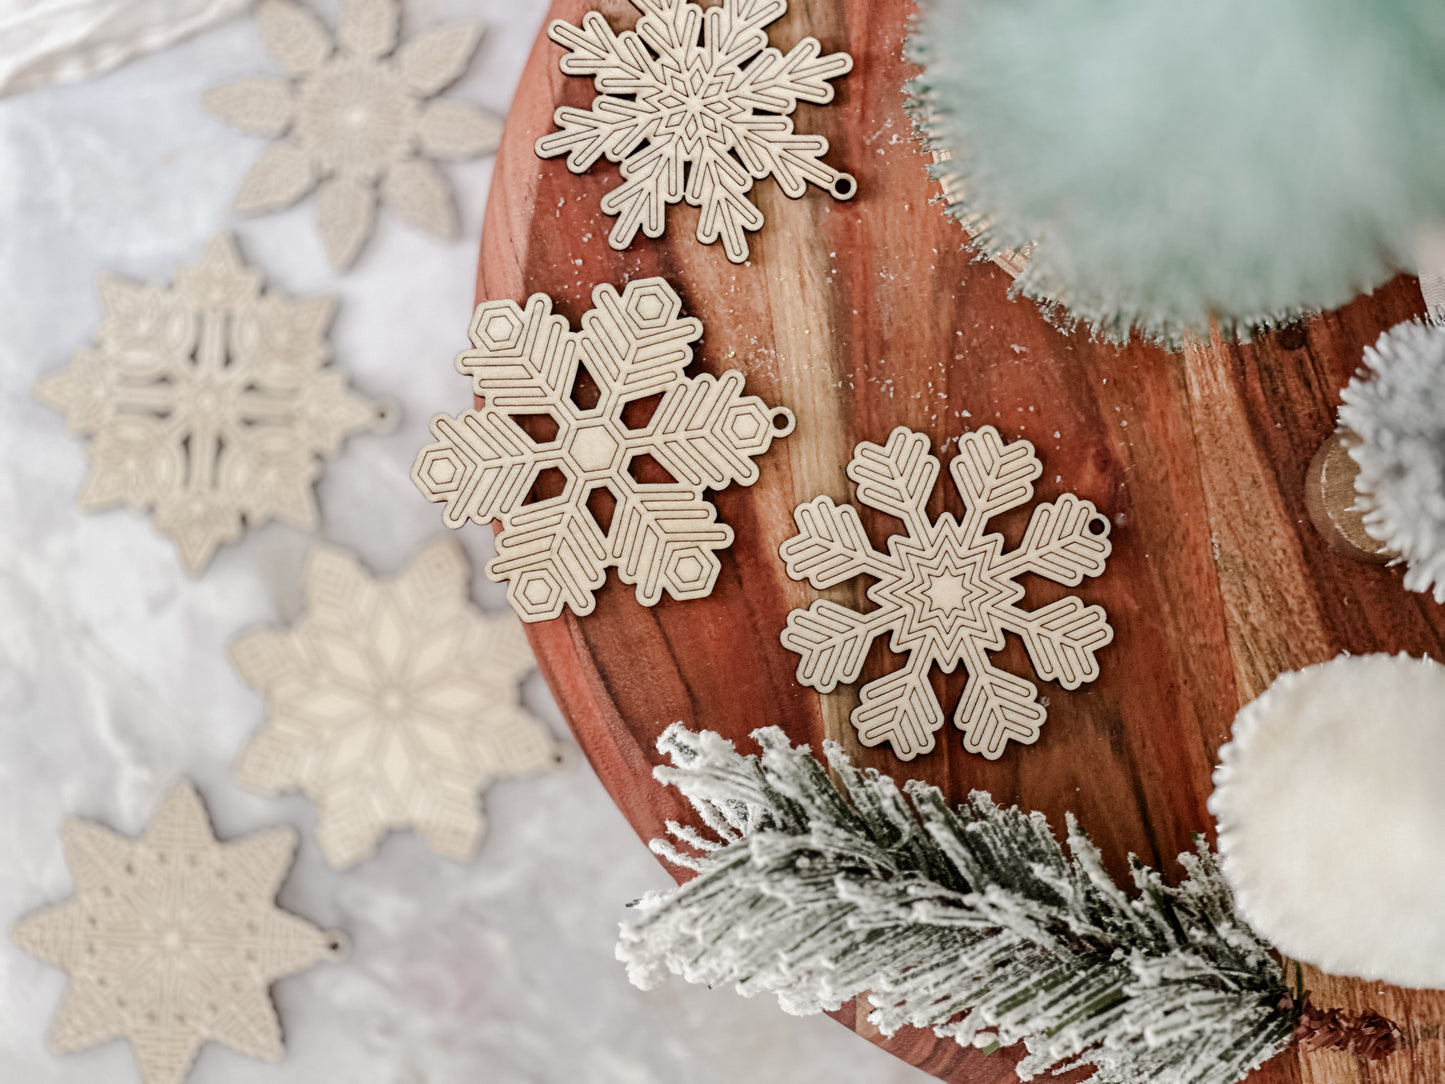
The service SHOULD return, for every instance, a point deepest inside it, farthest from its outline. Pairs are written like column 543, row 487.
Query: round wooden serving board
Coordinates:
column 867, row 315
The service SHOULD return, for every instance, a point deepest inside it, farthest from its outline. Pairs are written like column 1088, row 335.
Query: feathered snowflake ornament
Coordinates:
column 1181, row 166
column 695, row 105
column 356, row 120
column 1396, row 406
column 946, row 592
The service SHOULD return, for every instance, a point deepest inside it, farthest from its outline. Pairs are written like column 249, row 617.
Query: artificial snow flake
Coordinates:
column 209, row 402
column 356, row 119
column 947, row 592
column 704, row 433
column 695, row 105
column 392, row 704
column 173, row 940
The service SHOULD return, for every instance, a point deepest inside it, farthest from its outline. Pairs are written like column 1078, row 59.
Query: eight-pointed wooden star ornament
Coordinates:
column 392, row 704
column 173, row 940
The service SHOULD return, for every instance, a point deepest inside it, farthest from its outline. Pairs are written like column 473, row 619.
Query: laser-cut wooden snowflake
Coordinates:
column 173, row 940
column 356, row 119
column 209, row 402
column 695, row 105
column 947, row 592
column 392, row 704
column 663, row 536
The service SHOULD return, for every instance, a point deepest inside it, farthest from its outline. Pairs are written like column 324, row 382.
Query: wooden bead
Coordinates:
column 1334, row 503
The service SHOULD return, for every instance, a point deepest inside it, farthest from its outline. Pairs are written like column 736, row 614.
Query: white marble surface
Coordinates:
column 114, row 680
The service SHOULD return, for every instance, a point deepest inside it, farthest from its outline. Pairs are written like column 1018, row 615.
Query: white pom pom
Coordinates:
column 1397, row 408
column 1331, row 809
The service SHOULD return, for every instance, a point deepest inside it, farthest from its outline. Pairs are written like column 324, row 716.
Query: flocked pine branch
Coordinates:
column 1396, row 405
column 971, row 920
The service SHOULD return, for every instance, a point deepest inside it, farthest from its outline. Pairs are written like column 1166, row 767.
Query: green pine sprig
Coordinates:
column 971, row 920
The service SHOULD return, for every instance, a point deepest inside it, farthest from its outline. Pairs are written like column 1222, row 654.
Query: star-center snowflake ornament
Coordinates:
column 209, row 402
column 554, row 551
column 356, row 118
column 173, row 940
column 947, row 592
column 695, row 105
column 392, row 704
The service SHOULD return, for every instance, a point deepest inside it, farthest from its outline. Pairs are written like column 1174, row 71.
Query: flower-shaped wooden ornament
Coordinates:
column 947, row 592
column 695, row 105
column 209, row 402
column 392, row 704
column 173, row 940
column 356, row 117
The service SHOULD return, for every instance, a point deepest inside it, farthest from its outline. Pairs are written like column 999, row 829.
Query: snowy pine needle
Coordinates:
column 971, row 920
column 1396, row 405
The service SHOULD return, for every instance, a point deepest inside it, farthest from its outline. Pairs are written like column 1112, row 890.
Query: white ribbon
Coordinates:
column 61, row 41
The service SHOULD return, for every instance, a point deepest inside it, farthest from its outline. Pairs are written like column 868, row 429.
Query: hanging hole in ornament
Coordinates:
column 602, row 504
column 844, row 186
column 648, row 471
column 783, row 422
column 586, row 393
column 338, row 945
column 388, row 417
column 564, row 757
column 1098, row 526
column 550, row 483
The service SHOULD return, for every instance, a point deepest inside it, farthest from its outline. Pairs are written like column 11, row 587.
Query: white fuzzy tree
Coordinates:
column 971, row 920
column 1396, row 406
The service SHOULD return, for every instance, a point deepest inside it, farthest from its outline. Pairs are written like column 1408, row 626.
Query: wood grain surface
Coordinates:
column 871, row 314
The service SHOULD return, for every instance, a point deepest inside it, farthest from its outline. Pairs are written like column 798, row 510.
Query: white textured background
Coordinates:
column 114, row 681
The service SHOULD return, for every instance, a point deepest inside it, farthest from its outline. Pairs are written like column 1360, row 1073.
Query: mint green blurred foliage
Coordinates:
column 1246, row 160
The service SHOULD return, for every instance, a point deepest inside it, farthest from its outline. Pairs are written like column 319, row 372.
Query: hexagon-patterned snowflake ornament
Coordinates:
column 210, row 402
column 695, row 105
column 392, row 704
column 357, row 119
column 173, row 940
column 947, row 591
column 554, row 551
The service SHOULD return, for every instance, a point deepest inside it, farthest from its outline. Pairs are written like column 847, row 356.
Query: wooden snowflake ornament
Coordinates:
column 947, row 592
column 356, row 118
column 392, row 704
column 695, row 105
column 704, row 434
column 173, row 940
column 209, row 402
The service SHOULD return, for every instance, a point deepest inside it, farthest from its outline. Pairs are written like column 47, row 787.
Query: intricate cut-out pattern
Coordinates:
column 173, row 940
column 209, row 402
column 355, row 117
column 662, row 536
column 695, row 105
column 947, row 591
column 392, row 704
